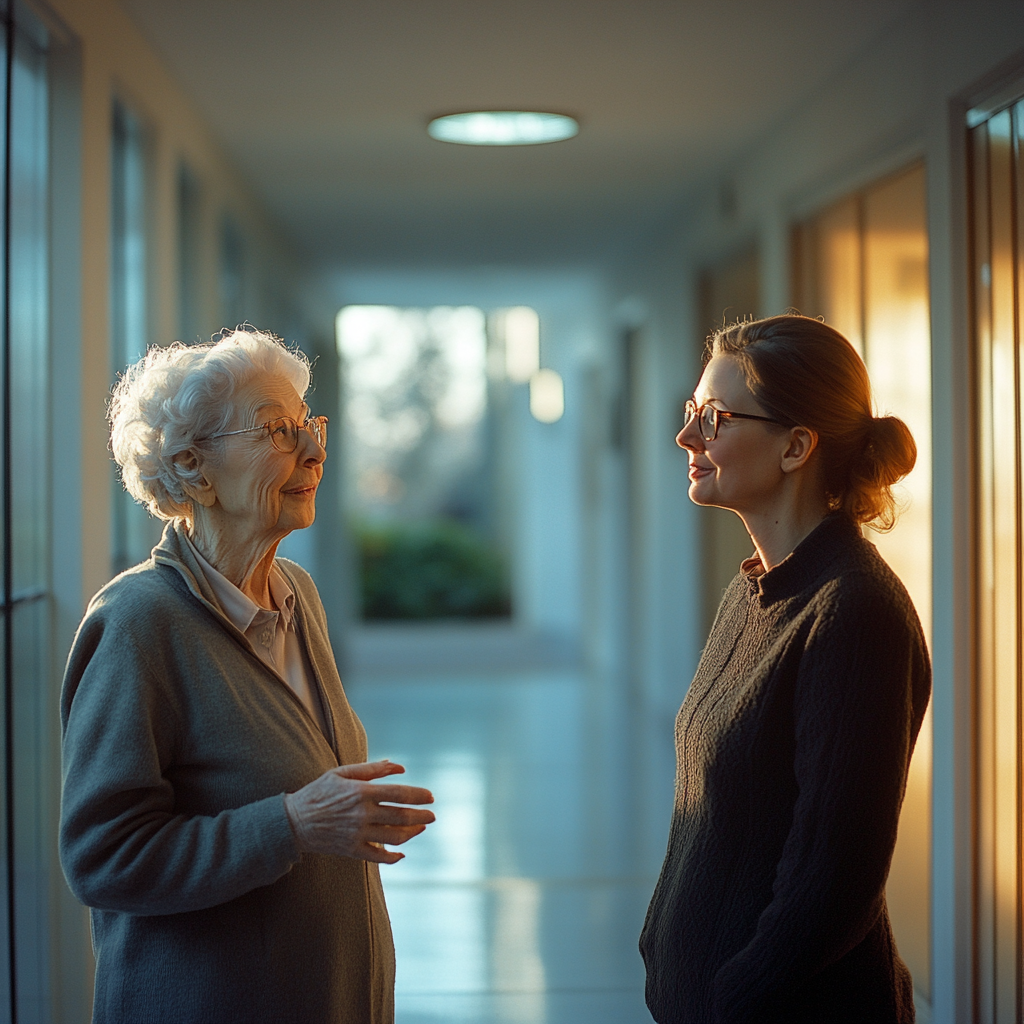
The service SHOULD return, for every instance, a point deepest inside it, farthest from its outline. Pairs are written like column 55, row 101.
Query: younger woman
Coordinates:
column 794, row 740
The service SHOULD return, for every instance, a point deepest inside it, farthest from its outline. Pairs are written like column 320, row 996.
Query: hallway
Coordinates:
column 523, row 903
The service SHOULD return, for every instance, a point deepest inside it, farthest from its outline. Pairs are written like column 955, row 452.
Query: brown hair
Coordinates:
column 804, row 373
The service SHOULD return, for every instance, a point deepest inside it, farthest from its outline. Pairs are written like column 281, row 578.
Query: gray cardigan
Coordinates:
column 179, row 742
column 793, row 746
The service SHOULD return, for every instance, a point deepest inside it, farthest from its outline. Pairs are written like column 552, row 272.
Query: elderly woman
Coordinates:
column 218, row 815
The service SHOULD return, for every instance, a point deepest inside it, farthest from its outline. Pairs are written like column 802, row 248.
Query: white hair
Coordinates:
column 175, row 398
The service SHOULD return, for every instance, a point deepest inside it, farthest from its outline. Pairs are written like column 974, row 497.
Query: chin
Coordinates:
column 698, row 496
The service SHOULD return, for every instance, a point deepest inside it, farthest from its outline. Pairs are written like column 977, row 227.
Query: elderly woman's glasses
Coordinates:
column 708, row 418
column 284, row 432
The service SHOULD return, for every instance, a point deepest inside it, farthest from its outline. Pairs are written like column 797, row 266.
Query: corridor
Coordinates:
column 523, row 903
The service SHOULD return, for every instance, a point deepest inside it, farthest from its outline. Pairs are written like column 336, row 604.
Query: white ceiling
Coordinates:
column 322, row 104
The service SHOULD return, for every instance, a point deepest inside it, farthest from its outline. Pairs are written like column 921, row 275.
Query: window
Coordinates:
column 24, row 511
column 996, row 195
column 423, row 473
column 862, row 265
column 133, row 531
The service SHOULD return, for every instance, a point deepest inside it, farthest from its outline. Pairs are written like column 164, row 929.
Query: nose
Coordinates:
column 689, row 437
column 314, row 453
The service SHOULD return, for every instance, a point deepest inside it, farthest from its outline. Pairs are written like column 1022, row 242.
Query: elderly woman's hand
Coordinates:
column 344, row 813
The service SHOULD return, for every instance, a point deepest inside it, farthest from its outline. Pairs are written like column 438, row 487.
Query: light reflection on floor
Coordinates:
column 518, row 906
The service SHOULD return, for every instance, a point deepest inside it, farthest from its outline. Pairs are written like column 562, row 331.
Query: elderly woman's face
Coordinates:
column 258, row 488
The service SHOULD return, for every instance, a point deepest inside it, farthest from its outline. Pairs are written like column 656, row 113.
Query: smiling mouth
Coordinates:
column 311, row 489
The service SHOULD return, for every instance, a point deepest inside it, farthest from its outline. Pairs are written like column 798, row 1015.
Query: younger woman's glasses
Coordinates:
column 284, row 432
column 708, row 418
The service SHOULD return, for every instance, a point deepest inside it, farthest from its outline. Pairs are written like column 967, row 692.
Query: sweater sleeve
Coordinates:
column 855, row 722
column 123, row 845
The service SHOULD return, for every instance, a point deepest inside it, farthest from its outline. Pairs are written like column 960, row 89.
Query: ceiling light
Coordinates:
column 502, row 128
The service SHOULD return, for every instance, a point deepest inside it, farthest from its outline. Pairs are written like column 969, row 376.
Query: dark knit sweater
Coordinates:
column 793, row 745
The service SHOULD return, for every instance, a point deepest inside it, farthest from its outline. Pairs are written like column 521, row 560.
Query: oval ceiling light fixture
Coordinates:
column 503, row 128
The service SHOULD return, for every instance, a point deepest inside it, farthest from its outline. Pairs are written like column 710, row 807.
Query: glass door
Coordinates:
column 996, row 191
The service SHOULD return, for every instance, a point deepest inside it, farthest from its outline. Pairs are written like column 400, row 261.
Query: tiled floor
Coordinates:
column 521, row 904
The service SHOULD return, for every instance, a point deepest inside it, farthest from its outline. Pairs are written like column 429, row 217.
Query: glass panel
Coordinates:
column 32, row 675
column 30, row 684
column 833, row 279
column 29, row 442
column 5, row 946
column 897, row 352
column 1005, row 408
column 987, row 635
column 421, row 488
column 1018, row 195
column 861, row 264
column 133, row 531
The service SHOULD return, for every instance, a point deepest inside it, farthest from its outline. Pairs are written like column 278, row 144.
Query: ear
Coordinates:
column 198, row 487
column 802, row 444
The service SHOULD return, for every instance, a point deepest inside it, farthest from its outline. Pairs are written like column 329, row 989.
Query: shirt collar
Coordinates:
column 810, row 560
column 239, row 608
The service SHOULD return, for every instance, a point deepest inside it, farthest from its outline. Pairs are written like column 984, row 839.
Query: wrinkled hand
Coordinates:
column 344, row 813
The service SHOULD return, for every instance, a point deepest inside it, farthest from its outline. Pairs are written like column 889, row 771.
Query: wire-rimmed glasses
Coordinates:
column 708, row 418
column 284, row 432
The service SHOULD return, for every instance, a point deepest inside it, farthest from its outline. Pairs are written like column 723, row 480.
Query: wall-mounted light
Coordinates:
column 503, row 128
column 547, row 396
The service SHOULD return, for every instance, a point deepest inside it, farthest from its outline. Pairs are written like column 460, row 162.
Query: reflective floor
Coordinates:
column 523, row 903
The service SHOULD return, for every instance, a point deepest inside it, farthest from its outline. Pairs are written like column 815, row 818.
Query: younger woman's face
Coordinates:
column 741, row 468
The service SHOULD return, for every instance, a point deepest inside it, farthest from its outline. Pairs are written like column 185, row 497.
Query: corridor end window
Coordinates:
column 421, row 483
column 862, row 265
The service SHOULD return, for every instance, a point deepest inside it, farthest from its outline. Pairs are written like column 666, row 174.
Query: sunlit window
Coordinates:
column 862, row 264
column 421, row 479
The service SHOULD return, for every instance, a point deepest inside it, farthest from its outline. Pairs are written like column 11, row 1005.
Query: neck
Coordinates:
column 777, row 531
column 246, row 560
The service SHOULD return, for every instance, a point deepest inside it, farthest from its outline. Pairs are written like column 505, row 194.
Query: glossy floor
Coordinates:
column 523, row 903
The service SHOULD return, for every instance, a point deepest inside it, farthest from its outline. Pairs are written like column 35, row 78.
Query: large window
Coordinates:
column 24, row 508
column 133, row 531
column 862, row 265
column 426, row 471
column 997, row 187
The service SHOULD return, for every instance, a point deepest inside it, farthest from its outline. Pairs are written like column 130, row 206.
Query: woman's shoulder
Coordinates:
column 144, row 594
column 860, row 586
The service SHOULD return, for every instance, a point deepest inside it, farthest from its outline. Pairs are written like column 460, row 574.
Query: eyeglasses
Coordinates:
column 284, row 432
column 708, row 418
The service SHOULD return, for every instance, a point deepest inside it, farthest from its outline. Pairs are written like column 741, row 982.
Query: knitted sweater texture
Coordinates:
column 793, row 745
column 178, row 745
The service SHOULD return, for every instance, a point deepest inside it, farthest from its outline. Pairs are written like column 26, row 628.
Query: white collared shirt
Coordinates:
column 272, row 634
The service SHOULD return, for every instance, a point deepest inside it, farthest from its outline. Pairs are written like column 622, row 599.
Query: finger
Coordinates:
column 392, row 835
column 368, row 770
column 378, row 855
column 385, row 814
column 393, row 794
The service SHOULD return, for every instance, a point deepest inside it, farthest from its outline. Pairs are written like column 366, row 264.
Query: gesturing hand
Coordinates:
column 342, row 812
